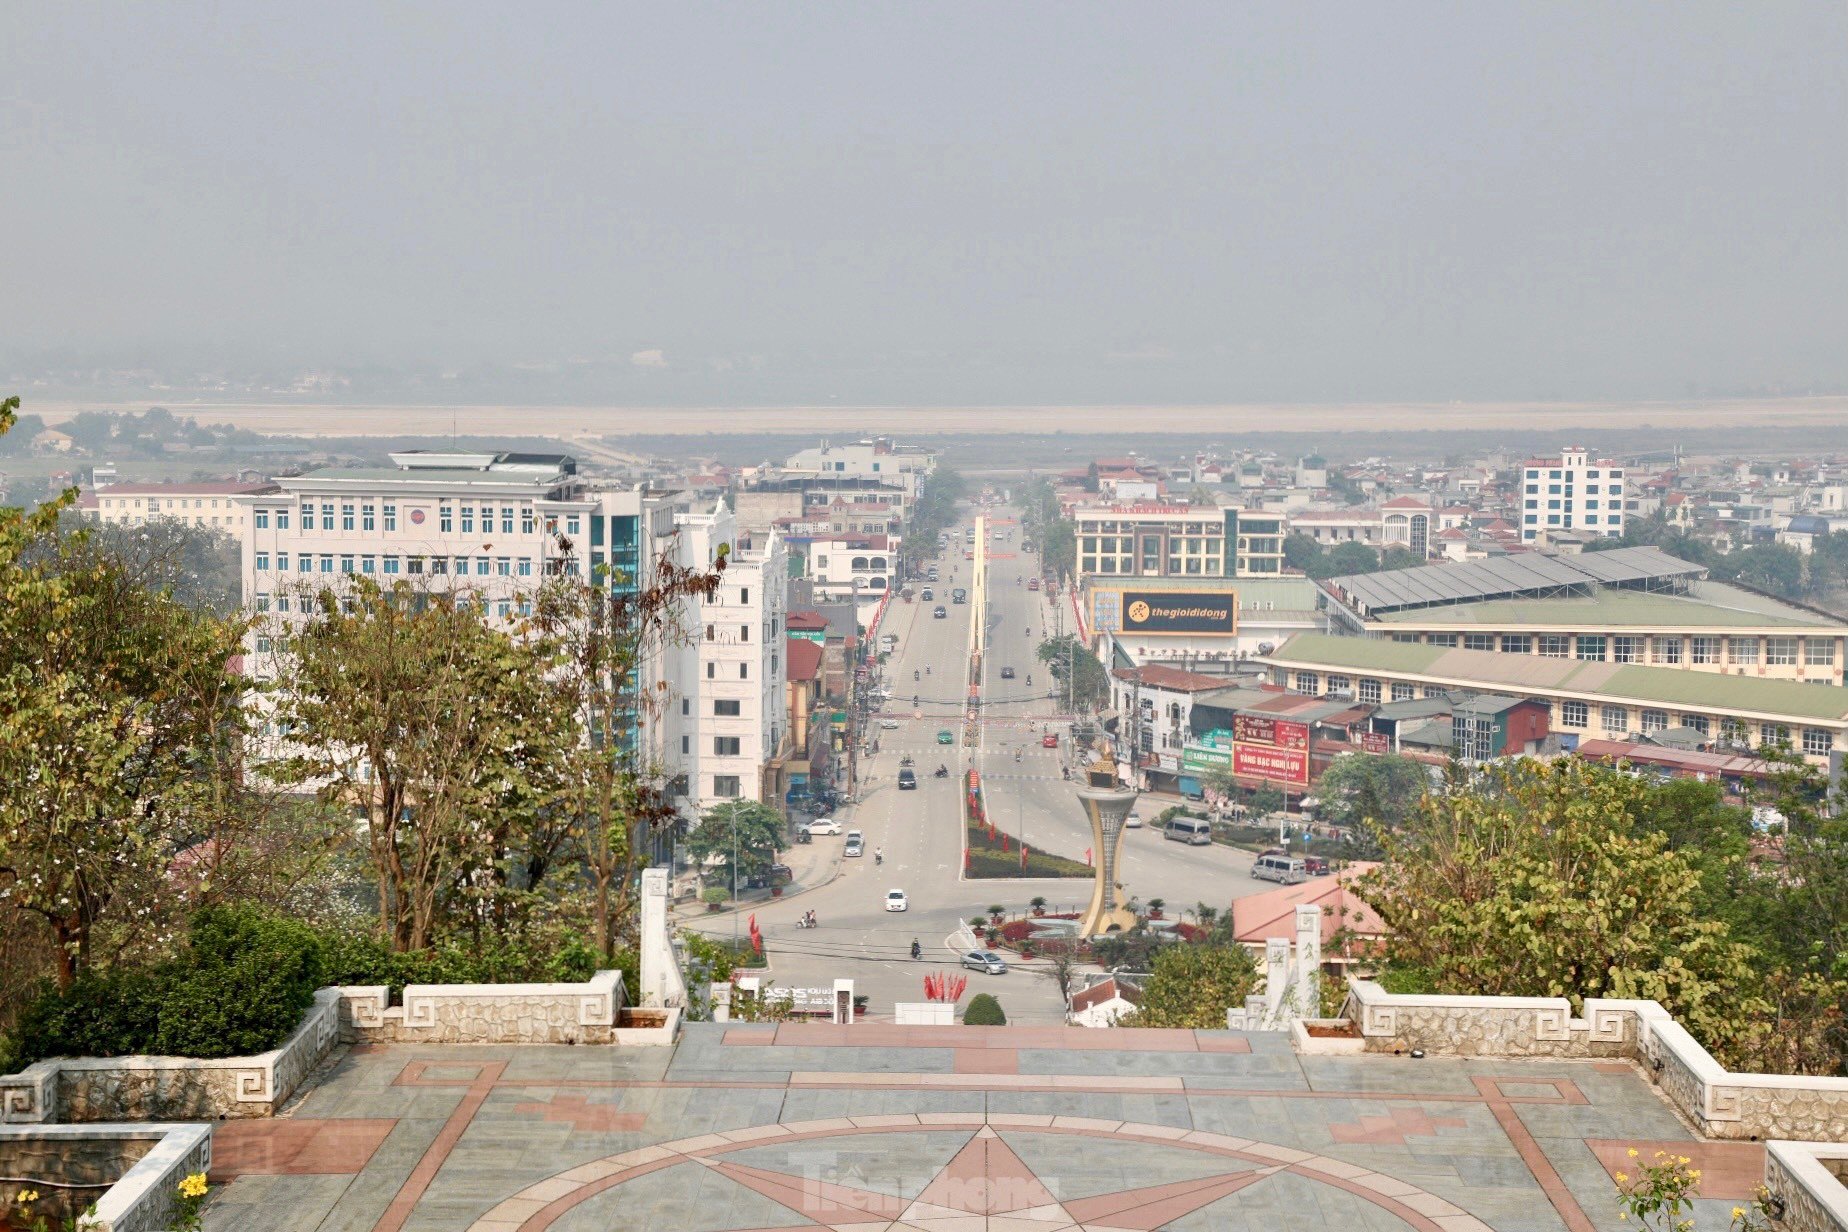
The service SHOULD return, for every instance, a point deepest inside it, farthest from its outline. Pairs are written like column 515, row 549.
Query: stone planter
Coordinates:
column 1327, row 1037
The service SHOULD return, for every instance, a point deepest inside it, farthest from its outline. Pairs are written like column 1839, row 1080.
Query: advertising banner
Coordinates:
column 1258, row 761
column 1201, row 759
column 1260, row 729
column 1180, row 611
column 1375, row 742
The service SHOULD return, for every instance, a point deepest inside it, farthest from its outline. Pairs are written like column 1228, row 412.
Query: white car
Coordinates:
column 1133, row 821
column 896, row 901
column 823, row 825
column 888, row 724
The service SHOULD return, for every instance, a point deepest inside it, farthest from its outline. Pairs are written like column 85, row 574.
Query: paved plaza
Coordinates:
column 954, row 1129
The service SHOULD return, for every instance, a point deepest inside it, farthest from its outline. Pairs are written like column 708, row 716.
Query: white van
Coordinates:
column 1286, row 870
column 1195, row 831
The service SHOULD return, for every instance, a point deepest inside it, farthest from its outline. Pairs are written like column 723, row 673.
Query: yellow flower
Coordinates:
column 193, row 1186
column 28, row 1196
column 1738, row 1212
column 1632, row 1152
column 1694, row 1173
column 1623, row 1178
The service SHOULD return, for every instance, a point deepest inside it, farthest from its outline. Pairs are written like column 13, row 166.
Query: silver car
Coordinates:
column 985, row 962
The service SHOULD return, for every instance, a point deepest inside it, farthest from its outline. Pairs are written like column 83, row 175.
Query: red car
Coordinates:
column 1049, row 741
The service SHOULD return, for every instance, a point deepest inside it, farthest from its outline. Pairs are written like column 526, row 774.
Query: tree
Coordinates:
column 443, row 731
column 1362, row 787
column 120, row 735
column 1076, row 670
column 754, row 831
column 1059, row 549
column 1061, row 970
column 1300, row 551
column 1396, row 557
column 605, row 633
column 1193, row 986
column 199, row 566
column 1536, row 882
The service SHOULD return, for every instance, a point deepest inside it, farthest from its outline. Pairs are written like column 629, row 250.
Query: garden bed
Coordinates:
column 999, row 856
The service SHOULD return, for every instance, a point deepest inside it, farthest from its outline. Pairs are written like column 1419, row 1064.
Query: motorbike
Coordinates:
column 806, row 921
column 942, row 772
column 917, row 951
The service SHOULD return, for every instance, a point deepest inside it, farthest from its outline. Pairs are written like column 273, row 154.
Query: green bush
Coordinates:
column 362, row 958
column 240, row 986
column 984, row 1011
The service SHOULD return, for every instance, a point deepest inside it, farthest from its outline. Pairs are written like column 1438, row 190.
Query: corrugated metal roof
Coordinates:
column 1506, row 577
column 1711, row 605
column 1489, row 671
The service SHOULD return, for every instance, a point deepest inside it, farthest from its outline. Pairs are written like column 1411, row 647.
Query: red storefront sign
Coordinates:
column 1261, row 729
column 1375, row 742
column 1260, row 761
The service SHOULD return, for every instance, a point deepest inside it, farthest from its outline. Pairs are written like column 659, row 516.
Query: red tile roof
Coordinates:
column 1261, row 917
column 811, row 621
column 804, row 658
column 1103, row 992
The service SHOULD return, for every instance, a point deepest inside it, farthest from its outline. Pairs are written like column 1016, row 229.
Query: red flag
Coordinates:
column 1087, row 855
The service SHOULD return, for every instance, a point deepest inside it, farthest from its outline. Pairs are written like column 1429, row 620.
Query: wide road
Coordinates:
column 919, row 831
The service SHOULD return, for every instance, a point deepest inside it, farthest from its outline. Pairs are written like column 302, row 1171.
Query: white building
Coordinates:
column 852, row 566
column 205, row 504
column 903, row 466
column 728, row 733
column 1573, row 492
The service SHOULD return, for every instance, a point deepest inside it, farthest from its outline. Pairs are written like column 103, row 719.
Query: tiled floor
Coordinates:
column 869, row 1129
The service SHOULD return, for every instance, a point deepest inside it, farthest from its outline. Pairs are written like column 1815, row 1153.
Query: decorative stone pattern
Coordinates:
column 487, row 1013
column 170, row 1088
column 146, row 1162
column 1805, row 1176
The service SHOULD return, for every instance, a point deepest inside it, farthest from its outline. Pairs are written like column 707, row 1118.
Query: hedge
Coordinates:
column 986, row 859
column 984, row 1011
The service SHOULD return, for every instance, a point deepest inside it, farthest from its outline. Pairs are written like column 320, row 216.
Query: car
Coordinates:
column 907, row 779
column 896, row 901
column 985, row 962
column 888, row 724
column 824, row 825
column 1049, row 741
column 928, row 595
column 1133, row 821
column 945, row 736
column 1315, row 866
column 1007, row 673
column 1032, row 583
column 940, row 612
column 856, row 845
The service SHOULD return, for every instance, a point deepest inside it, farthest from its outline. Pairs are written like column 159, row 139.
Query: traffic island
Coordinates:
column 990, row 853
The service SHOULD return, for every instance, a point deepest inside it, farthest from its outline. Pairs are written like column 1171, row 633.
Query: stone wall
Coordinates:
column 486, row 1013
column 171, row 1088
column 1806, row 1177
column 144, row 1162
column 1721, row 1103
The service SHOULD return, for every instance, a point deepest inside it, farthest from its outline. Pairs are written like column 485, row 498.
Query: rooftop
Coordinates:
column 1528, row 575
column 204, row 487
column 1487, row 670
column 1707, row 605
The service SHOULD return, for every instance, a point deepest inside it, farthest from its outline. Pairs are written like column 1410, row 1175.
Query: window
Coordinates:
column 468, row 519
column 526, row 566
column 1781, row 651
column 282, row 519
column 461, row 566
column 1478, row 641
column 1308, row 682
column 1742, row 650
column 1555, row 645
column 507, row 519
column 744, row 594
column 744, row 671
column 1370, row 691
column 327, row 564
column 445, row 518
column 368, row 564
column 263, row 603
column 481, row 566
column 368, row 516
column 1575, row 714
column 1817, row 742
column 1732, row 730
column 263, row 645
column 327, row 517
column 503, row 565
column 712, row 670
column 1614, row 718
column 346, row 564
column 1773, row 733
column 526, row 521
column 346, row 517
column 571, row 524
column 391, row 517
column 1401, row 692
column 725, row 746
column 1627, row 649
column 1441, row 639
column 1704, row 650
column 1696, row 722
column 262, row 562
column 1655, row 720
column 504, row 608
column 729, row 707
column 725, row 786
column 1666, row 649
column 262, row 519
column 391, row 564
column 439, row 564
column 744, row 633
column 282, row 603
column 686, row 745
column 1819, row 652
column 1591, row 647
column 1517, row 643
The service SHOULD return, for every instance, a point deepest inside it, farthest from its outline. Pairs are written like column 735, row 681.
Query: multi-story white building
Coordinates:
column 852, row 566
column 212, row 505
column 728, row 733
column 1147, row 539
column 903, row 466
column 1573, row 492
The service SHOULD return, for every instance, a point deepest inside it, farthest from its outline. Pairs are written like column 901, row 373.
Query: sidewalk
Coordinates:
column 811, row 866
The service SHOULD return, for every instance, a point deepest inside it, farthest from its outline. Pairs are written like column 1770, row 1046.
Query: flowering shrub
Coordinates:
column 1661, row 1194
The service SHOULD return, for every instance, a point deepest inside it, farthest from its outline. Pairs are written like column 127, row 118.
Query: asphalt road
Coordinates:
column 919, row 831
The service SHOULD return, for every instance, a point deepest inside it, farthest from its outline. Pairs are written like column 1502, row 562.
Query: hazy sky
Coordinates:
column 1013, row 202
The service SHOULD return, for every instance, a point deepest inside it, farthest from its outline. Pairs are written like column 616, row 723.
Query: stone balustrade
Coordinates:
column 146, row 1163
column 584, row 1013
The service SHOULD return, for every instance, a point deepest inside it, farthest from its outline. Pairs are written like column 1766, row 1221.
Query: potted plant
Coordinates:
column 714, row 897
column 1155, row 906
column 997, row 913
column 1038, row 903
column 994, row 939
column 977, row 925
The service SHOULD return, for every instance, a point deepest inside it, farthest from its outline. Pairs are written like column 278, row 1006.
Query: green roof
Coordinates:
column 1711, row 605
column 1490, row 671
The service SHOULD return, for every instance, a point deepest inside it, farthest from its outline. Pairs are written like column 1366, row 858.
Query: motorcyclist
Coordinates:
column 914, row 674
column 917, row 951
column 1029, row 677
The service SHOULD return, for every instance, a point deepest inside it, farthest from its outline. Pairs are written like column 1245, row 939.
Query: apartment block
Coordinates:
column 1573, row 492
